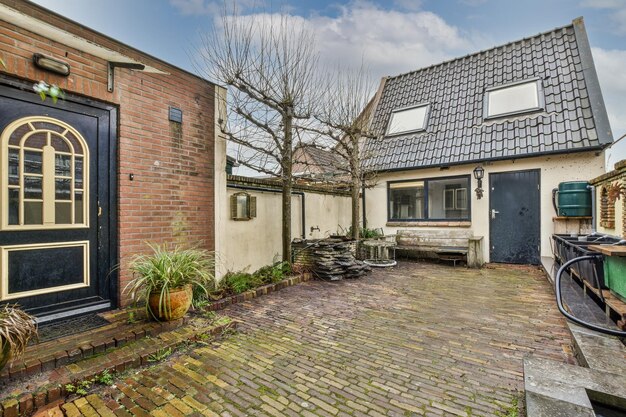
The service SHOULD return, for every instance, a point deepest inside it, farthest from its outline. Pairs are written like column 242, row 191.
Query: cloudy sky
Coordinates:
column 394, row 36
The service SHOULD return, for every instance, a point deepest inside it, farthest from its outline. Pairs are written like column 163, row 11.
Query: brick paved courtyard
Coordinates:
column 420, row 339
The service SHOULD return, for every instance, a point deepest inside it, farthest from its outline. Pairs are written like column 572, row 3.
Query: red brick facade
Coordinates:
column 171, row 198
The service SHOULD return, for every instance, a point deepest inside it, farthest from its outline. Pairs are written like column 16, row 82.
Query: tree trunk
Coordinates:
column 287, row 164
column 355, row 187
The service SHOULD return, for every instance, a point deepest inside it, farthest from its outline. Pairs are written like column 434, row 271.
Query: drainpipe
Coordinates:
column 364, row 219
column 272, row 190
column 593, row 208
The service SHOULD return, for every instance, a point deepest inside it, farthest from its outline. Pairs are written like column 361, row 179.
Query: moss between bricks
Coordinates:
column 129, row 357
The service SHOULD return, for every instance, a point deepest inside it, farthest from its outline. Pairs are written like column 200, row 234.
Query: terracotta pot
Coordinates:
column 174, row 308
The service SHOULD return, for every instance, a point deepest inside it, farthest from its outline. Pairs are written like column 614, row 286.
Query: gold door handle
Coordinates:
column 99, row 211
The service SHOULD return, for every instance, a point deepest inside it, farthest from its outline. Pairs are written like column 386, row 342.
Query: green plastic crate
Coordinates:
column 615, row 274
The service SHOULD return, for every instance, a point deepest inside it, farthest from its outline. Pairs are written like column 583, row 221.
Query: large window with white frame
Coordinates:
column 432, row 199
column 408, row 119
column 520, row 97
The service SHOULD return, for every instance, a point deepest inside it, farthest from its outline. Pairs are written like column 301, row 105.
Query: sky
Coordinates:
column 393, row 37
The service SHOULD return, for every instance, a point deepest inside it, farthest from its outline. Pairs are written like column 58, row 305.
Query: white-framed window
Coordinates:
column 45, row 175
column 242, row 206
column 408, row 119
column 520, row 97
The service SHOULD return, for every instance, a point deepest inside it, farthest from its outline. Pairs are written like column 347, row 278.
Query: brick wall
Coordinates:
column 612, row 213
column 171, row 196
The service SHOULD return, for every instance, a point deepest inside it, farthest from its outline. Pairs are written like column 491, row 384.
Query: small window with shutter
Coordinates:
column 242, row 206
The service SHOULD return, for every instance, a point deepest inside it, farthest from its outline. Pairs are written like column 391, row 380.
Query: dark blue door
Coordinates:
column 57, row 215
column 514, row 233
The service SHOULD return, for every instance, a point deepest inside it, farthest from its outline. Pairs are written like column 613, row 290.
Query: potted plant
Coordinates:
column 166, row 279
column 16, row 329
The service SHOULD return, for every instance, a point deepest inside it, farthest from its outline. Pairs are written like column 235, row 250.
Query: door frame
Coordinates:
column 538, row 171
column 107, row 252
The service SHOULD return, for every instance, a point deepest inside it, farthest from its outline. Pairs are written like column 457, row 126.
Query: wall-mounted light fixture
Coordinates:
column 479, row 173
column 51, row 64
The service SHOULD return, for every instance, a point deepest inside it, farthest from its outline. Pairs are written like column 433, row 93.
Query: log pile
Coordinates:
column 334, row 260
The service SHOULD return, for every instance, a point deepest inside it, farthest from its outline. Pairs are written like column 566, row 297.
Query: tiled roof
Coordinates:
column 573, row 118
column 316, row 160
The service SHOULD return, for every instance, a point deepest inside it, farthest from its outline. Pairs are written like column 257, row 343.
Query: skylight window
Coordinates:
column 515, row 98
column 408, row 119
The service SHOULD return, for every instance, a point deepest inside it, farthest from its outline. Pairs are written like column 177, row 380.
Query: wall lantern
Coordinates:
column 51, row 64
column 479, row 173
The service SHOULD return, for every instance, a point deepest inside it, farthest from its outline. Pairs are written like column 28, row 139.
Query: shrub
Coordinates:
column 366, row 233
column 16, row 330
column 238, row 282
column 164, row 270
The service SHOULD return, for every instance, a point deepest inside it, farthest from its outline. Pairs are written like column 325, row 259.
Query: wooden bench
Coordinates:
column 446, row 244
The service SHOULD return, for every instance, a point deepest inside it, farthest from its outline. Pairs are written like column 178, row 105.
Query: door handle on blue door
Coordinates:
column 493, row 213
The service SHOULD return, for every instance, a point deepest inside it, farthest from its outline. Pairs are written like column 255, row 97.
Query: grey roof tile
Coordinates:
column 456, row 130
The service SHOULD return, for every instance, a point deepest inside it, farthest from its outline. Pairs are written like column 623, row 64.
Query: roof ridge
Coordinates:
column 482, row 51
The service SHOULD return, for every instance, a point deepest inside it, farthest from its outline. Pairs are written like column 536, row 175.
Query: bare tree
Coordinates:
column 270, row 60
column 345, row 118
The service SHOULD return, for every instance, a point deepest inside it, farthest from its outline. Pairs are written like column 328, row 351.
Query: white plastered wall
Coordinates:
column 251, row 244
column 554, row 169
column 220, row 200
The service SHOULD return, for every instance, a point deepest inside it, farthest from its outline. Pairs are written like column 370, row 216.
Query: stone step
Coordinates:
column 53, row 354
column 28, row 394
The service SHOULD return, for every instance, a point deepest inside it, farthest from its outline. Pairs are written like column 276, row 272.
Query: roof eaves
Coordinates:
column 500, row 158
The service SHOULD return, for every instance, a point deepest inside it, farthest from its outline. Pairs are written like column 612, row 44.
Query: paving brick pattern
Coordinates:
column 416, row 340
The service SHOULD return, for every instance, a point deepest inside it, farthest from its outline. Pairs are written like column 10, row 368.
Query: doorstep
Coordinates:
column 116, row 347
column 53, row 354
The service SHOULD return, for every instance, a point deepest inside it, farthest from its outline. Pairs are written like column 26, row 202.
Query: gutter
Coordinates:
column 271, row 190
column 502, row 158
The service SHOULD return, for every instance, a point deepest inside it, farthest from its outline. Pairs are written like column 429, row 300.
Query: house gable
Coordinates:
column 571, row 117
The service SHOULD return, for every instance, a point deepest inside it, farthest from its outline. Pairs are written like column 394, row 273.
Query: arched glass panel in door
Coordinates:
column 44, row 178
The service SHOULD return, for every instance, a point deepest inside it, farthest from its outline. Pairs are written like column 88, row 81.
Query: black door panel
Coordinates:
column 514, row 232
column 74, row 259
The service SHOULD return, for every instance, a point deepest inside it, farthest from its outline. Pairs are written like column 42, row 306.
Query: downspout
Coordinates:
column 593, row 209
column 272, row 190
column 364, row 219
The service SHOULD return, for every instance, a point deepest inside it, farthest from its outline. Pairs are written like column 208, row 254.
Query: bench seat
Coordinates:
column 448, row 244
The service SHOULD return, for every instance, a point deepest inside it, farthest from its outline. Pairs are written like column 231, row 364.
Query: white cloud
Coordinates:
column 610, row 65
column 617, row 10
column 391, row 42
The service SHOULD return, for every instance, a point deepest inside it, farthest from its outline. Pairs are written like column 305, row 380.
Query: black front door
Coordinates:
column 514, row 232
column 56, row 211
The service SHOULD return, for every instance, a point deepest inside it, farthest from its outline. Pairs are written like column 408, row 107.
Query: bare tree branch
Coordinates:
column 270, row 61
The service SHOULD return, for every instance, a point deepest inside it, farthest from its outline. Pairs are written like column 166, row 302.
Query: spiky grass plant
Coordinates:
column 166, row 269
column 16, row 329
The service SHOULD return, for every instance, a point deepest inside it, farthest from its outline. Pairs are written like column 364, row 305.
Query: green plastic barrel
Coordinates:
column 574, row 199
